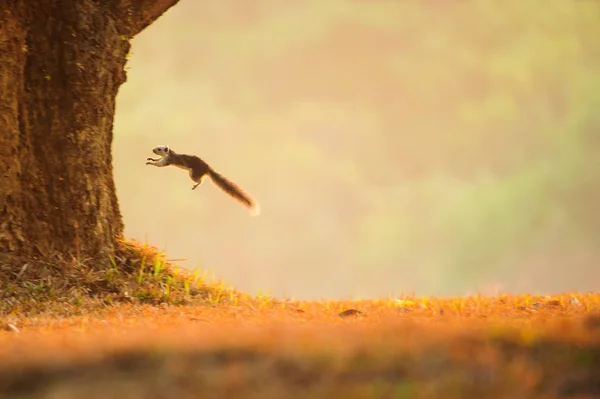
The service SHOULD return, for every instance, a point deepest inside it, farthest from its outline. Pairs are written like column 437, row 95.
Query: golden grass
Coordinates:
column 204, row 340
column 139, row 274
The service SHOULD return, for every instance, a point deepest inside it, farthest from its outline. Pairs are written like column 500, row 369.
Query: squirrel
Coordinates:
column 198, row 170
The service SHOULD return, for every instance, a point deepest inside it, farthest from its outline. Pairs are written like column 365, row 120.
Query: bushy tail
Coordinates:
column 235, row 192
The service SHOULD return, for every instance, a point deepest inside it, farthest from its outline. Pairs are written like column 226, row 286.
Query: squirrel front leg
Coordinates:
column 157, row 162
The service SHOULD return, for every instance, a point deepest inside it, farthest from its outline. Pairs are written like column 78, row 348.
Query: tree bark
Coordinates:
column 61, row 65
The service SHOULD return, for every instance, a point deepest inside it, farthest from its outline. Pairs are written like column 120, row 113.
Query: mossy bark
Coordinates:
column 61, row 66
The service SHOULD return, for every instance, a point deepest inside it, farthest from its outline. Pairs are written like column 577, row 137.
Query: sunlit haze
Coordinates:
column 436, row 148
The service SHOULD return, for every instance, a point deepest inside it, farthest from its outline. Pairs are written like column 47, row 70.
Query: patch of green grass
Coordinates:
column 138, row 273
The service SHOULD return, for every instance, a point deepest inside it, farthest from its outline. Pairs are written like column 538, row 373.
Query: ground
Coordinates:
column 149, row 331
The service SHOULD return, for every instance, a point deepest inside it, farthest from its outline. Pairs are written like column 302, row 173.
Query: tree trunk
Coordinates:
column 61, row 65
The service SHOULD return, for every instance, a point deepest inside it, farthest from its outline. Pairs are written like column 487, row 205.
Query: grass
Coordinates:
column 138, row 327
column 139, row 274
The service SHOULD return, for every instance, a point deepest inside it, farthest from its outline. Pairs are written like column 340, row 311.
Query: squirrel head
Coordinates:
column 162, row 150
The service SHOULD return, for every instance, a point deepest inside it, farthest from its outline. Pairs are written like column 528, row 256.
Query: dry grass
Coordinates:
column 85, row 337
column 139, row 274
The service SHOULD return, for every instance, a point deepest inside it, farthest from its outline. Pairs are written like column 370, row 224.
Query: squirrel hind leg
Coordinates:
column 197, row 179
column 198, row 182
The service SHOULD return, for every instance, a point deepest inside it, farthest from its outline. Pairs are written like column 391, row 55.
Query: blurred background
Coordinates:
column 428, row 147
